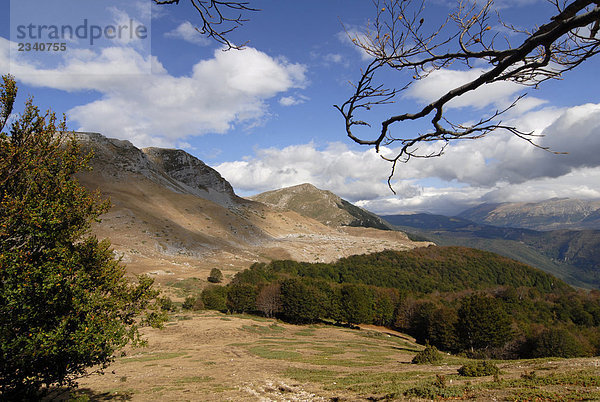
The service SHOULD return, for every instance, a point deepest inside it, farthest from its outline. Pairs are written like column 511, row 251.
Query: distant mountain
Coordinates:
column 174, row 216
column 571, row 255
column 321, row 205
column 557, row 213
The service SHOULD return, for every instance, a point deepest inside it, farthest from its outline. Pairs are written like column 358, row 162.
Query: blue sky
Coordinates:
column 264, row 116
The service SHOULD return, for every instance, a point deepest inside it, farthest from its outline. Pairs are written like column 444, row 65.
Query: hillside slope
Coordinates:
column 422, row 270
column 321, row 205
column 175, row 217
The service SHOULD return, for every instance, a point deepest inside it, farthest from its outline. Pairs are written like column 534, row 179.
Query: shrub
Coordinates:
column 215, row 298
column 188, row 303
column 166, row 304
column 438, row 390
column 198, row 304
column 215, row 276
column 479, row 369
column 428, row 355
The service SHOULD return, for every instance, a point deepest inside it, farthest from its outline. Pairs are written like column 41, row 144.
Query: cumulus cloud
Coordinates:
column 353, row 175
column 160, row 109
column 440, row 82
column 188, row 33
column 498, row 168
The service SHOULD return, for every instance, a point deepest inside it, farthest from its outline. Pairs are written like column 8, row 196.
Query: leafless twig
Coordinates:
column 398, row 40
column 219, row 18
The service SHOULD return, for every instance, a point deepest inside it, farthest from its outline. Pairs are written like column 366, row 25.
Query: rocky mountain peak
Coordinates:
column 321, row 205
column 201, row 179
column 174, row 169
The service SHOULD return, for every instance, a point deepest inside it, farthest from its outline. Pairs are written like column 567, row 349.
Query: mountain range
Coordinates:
column 174, row 217
column 572, row 255
column 553, row 214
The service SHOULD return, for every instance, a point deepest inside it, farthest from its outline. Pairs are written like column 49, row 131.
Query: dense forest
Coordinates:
column 458, row 299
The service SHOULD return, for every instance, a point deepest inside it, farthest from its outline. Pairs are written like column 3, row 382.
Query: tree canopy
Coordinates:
column 65, row 303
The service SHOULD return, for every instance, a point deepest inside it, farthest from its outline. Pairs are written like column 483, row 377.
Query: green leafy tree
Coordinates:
column 215, row 298
column 483, row 323
column 556, row 342
column 215, row 276
column 300, row 302
column 65, row 303
column 422, row 321
column 442, row 332
column 384, row 306
column 241, row 297
column 357, row 304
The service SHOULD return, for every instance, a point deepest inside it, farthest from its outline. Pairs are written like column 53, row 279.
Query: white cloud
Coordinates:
column 440, row 82
column 292, row 100
column 160, row 109
column 122, row 18
column 498, row 168
column 334, row 168
column 334, row 58
column 354, row 36
column 188, row 33
column 444, row 201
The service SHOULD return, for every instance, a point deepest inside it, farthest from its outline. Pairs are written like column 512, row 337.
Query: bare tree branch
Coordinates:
column 219, row 18
column 398, row 41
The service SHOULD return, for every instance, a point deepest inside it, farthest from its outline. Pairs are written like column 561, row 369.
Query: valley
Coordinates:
column 572, row 255
column 175, row 219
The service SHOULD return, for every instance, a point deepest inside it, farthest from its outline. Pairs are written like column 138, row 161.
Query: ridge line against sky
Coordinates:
column 264, row 116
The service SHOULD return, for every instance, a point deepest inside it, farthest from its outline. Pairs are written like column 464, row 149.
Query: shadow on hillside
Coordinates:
column 86, row 394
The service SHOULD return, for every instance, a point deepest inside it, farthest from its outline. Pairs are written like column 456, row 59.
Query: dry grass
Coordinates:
column 212, row 357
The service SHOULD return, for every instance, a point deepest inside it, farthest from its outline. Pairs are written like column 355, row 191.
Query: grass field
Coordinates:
column 213, row 357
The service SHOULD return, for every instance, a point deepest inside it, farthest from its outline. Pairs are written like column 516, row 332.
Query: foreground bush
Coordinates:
column 428, row 355
column 479, row 369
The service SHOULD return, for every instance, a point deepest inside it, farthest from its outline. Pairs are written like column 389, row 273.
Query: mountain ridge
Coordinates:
column 552, row 214
column 175, row 217
column 572, row 255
